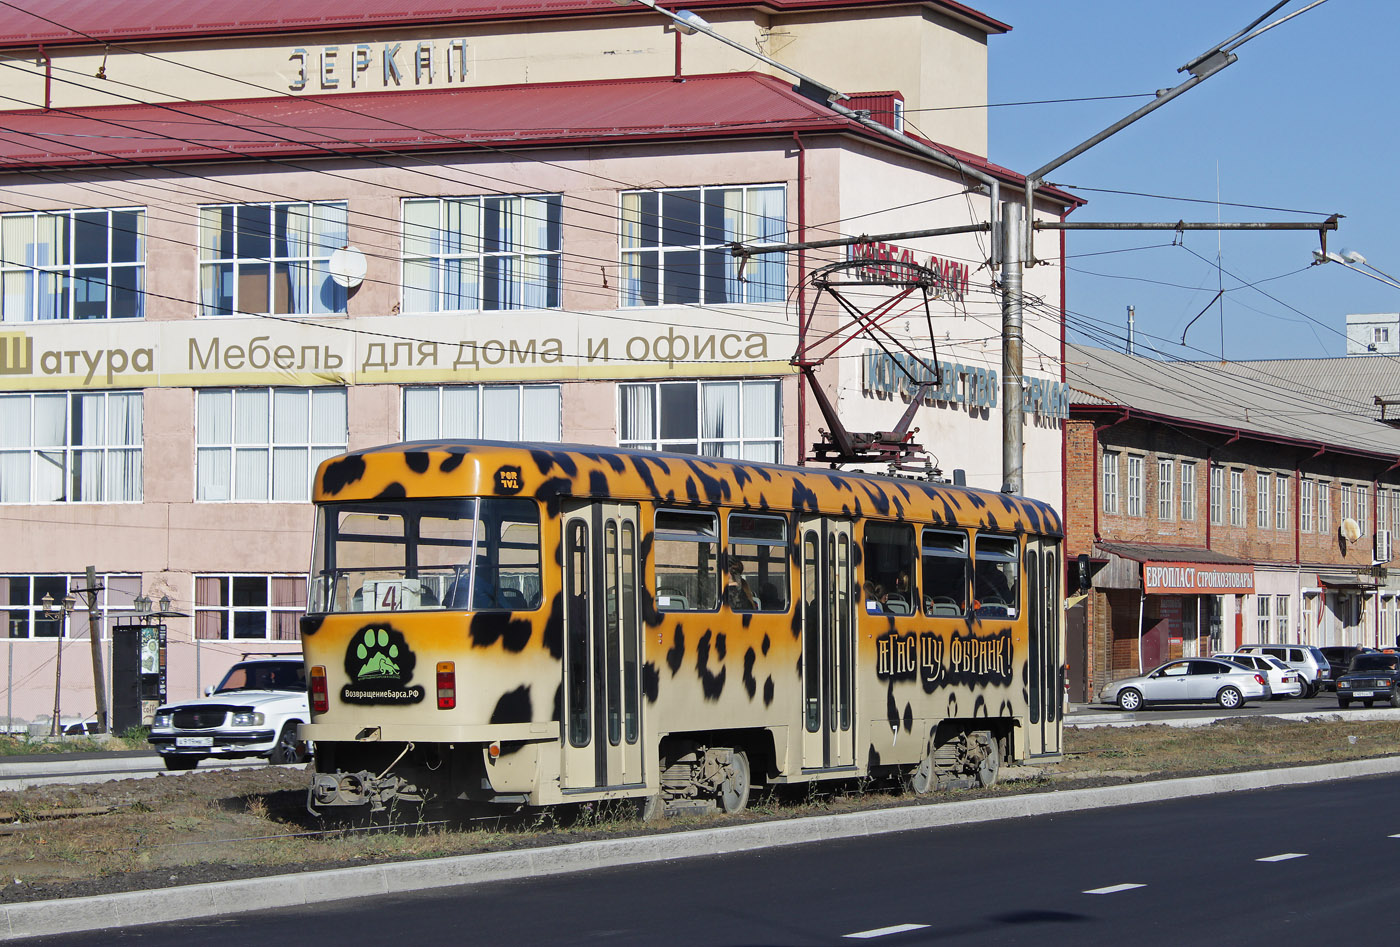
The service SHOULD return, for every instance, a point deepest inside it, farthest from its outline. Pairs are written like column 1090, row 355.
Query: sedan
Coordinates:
column 1190, row 680
column 1284, row 681
column 1372, row 676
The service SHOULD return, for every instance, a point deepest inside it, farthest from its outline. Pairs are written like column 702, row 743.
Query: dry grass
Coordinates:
column 204, row 826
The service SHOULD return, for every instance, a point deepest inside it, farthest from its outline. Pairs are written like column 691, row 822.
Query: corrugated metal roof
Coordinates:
column 81, row 22
column 1162, row 552
column 1323, row 401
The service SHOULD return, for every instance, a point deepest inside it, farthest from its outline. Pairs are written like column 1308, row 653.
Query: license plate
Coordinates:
column 194, row 741
column 1363, row 693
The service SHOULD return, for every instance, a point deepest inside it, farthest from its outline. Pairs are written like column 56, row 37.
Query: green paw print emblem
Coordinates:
column 377, row 654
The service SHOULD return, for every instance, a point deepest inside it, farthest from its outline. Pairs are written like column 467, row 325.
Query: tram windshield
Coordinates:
column 426, row 555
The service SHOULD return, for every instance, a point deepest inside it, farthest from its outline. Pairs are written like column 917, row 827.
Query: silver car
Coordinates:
column 1190, row 680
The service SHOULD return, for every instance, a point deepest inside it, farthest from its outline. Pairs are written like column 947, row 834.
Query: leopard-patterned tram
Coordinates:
column 541, row 624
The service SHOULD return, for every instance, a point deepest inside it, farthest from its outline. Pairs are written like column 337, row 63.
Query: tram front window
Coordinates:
column 425, row 555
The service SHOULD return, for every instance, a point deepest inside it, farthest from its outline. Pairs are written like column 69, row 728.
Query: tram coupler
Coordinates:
column 340, row 790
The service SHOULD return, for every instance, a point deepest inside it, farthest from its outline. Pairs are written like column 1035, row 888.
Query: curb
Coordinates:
column 128, row 909
column 1139, row 719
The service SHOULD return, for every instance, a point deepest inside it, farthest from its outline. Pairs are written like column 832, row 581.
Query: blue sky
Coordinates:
column 1304, row 121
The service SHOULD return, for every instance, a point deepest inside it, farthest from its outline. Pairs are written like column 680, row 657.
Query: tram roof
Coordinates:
column 437, row 468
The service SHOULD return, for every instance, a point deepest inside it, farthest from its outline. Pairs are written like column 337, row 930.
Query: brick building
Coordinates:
column 1227, row 503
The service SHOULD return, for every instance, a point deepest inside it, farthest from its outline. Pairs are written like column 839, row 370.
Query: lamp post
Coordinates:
column 61, row 611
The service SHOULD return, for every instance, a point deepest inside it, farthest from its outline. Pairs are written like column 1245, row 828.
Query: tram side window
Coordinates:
column 756, row 579
column 889, row 568
column 996, row 576
column 944, row 573
column 687, row 561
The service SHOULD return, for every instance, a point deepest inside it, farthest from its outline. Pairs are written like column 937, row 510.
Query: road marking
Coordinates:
column 883, row 931
column 1397, row 835
column 1282, row 858
column 1113, row 889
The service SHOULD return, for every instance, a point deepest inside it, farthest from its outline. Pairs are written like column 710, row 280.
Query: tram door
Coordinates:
column 1045, row 647
column 828, row 644
column 602, row 712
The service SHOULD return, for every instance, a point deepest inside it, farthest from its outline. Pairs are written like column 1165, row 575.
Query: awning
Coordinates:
column 1183, row 570
column 1347, row 580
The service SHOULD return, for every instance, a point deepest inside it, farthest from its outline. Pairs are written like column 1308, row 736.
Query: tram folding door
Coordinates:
column 1045, row 648
column 602, row 648
column 828, row 644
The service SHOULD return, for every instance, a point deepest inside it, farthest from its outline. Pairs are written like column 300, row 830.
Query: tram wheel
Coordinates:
column 990, row 766
column 734, row 791
column 922, row 780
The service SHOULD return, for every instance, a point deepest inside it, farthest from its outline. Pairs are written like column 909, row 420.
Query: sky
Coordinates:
column 1304, row 122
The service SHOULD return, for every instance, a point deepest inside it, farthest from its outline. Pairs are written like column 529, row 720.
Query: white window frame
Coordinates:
column 38, row 286
column 532, row 413
column 1382, row 509
column 746, row 443
column 301, row 267
column 116, row 591
column 1236, row 497
column 1166, row 482
column 1324, row 506
column 1281, row 502
column 225, row 466
column 660, row 265
column 1217, row 494
column 1263, row 622
column 1363, row 508
column 107, row 468
column 1263, row 486
column 1344, row 506
column 279, row 621
column 1135, row 484
column 1188, row 491
column 1281, row 611
column 1305, row 506
column 1109, row 487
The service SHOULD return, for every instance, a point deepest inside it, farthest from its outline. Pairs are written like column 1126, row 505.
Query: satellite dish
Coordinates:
column 1351, row 530
column 348, row 267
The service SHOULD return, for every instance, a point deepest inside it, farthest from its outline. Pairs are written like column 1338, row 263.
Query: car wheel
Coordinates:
column 1343, row 701
column 1230, row 698
column 288, row 749
column 1395, row 697
column 1129, row 699
column 180, row 762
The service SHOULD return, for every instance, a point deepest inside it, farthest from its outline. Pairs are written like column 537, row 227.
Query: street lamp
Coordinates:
column 1355, row 261
column 61, row 611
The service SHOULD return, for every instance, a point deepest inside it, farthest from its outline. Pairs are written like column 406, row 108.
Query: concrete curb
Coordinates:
column 1140, row 719
column 105, row 912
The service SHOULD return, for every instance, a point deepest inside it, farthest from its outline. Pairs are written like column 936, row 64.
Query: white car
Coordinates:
column 1284, row 681
column 255, row 711
column 1190, row 680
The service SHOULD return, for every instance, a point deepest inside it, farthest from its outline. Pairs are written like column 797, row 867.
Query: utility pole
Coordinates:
column 99, row 679
column 1012, row 317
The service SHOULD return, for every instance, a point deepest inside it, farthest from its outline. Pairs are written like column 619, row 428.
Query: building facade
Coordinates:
column 1224, row 504
column 235, row 245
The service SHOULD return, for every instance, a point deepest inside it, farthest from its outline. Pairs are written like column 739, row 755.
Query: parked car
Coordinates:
column 1284, row 681
column 1372, row 676
column 1190, row 680
column 1316, row 669
column 254, row 711
column 1339, row 658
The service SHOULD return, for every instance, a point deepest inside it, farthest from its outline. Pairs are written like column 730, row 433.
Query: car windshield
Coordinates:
column 264, row 676
column 1373, row 662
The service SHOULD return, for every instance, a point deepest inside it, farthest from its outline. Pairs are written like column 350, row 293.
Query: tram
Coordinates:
column 533, row 625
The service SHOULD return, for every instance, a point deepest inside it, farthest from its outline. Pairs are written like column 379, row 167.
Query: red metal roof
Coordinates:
column 81, row 22
column 569, row 114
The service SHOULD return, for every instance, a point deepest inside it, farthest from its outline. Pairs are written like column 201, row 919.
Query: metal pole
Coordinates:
column 99, row 678
column 1011, row 322
column 54, row 728
column 1131, row 314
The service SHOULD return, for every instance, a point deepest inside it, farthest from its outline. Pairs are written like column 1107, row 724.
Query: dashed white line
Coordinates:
column 1282, row 858
column 1396, row 835
column 1113, row 889
column 884, row 931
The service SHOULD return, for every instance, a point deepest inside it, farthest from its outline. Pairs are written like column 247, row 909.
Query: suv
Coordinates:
column 1313, row 664
column 254, row 711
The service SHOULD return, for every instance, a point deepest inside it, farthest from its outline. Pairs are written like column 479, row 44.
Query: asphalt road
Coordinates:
column 1264, row 867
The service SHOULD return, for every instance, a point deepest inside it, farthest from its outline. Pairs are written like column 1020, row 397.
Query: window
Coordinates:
column 1382, row 509
column 1110, row 481
column 70, row 447
column 1324, row 506
column 1280, row 502
column 1217, row 489
column 1345, row 500
column 1380, row 334
column 22, row 603
column 944, row 576
column 259, row 259
column 1305, row 506
column 1263, row 484
column 757, row 577
column 1166, row 481
column 1134, row 485
column 740, row 419
column 687, row 557
column 264, row 443
column 73, row 264
column 242, row 607
column 675, row 245
column 1263, row 624
column 1188, row 491
column 467, row 253
column 1363, row 508
column 889, row 568
column 1236, row 497
column 1281, row 628
column 492, row 412
column 996, row 577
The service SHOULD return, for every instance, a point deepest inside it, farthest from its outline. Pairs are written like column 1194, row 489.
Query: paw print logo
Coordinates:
column 379, row 654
